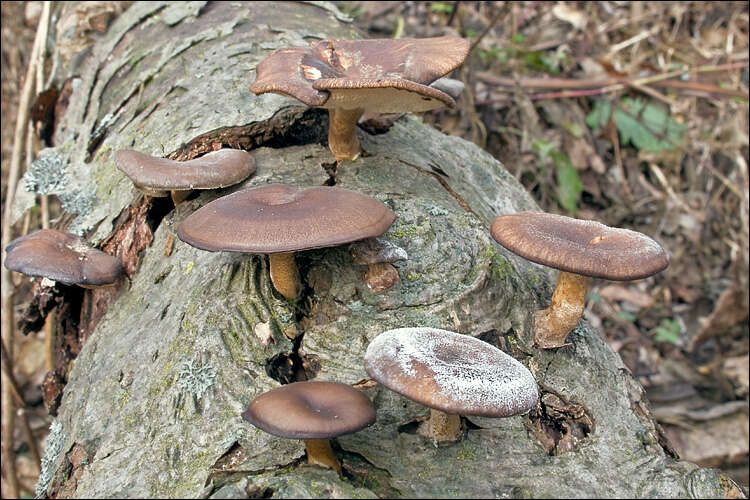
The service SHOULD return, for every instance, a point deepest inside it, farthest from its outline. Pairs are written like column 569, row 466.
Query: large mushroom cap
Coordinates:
column 311, row 410
column 214, row 170
column 451, row 372
column 62, row 257
column 393, row 69
column 579, row 246
column 280, row 218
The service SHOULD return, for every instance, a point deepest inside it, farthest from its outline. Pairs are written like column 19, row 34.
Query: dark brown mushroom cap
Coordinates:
column 409, row 64
column 62, row 257
column 214, row 170
column 451, row 372
column 279, row 218
column 311, row 410
column 583, row 247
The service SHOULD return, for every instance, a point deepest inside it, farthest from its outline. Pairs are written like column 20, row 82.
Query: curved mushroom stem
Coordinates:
column 180, row 196
column 342, row 133
column 319, row 452
column 553, row 324
column 444, row 427
column 284, row 274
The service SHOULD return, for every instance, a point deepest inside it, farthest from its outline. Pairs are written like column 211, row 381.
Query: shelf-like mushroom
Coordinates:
column 452, row 374
column 580, row 249
column 63, row 257
column 349, row 77
column 279, row 220
column 161, row 176
column 315, row 412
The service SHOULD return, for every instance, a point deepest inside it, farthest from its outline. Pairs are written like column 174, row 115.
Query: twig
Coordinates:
column 486, row 30
column 6, row 283
column 453, row 14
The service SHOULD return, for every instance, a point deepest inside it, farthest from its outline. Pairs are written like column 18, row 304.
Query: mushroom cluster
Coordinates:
column 451, row 373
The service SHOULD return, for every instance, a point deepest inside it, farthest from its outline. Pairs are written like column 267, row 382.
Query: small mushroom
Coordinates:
column 348, row 77
column 453, row 374
column 315, row 412
column 62, row 257
column 279, row 220
column 161, row 176
column 580, row 249
column 378, row 255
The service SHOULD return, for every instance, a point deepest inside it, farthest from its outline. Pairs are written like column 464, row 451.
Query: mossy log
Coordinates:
column 153, row 401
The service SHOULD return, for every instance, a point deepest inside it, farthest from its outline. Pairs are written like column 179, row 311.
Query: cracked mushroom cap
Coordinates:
column 577, row 246
column 380, row 75
column 62, row 257
column 279, row 218
column 451, row 372
column 311, row 410
column 214, row 170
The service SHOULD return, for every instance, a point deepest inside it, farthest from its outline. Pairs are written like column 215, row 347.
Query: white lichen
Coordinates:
column 195, row 377
column 52, row 449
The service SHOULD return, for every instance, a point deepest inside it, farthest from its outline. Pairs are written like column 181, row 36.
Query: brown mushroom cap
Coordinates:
column 396, row 68
column 382, row 95
column 279, row 218
column 311, row 410
column 62, row 257
column 451, row 372
column 582, row 247
column 214, row 170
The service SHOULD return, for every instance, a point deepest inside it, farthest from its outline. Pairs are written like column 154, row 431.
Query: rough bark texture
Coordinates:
column 152, row 406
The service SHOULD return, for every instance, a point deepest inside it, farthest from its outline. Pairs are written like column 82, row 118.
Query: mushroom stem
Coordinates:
column 319, row 452
column 553, row 324
column 444, row 427
column 180, row 196
column 284, row 274
column 342, row 133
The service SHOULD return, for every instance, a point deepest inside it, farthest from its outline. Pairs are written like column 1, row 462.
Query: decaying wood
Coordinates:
column 152, row 404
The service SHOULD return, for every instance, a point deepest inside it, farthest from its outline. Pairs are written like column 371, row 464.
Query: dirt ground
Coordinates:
column 632, row 114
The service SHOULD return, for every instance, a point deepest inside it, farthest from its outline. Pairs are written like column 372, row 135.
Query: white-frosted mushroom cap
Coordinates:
column 451, row 372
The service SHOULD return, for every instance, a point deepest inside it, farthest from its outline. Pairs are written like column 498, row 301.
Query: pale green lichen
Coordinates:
column 195, row 377
column 53, row 447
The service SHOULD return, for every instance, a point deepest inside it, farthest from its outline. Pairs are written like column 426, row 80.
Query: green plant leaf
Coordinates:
column 668, row 331
column 441, row 7
column 647, row 126
column 569, row 186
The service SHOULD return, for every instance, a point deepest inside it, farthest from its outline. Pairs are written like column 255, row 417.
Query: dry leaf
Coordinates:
column 570, row 15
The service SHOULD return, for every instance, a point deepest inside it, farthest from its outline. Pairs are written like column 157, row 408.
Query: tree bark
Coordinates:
column 152, row 404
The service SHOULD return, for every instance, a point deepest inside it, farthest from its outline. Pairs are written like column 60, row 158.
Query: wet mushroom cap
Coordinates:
column 451, row 372
column 583, row 247
column 279, row 218
column 409, row 64
column 62, row 257
column 311, row 410
column 213, row 170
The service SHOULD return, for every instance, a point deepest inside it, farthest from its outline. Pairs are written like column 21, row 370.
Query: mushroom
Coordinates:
column 315, row 412
column 62, row 257
column 279, row 220
column 451, row 373
column 378, row 255
column 348, row 77
column 580, row 249
column 161, row 176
